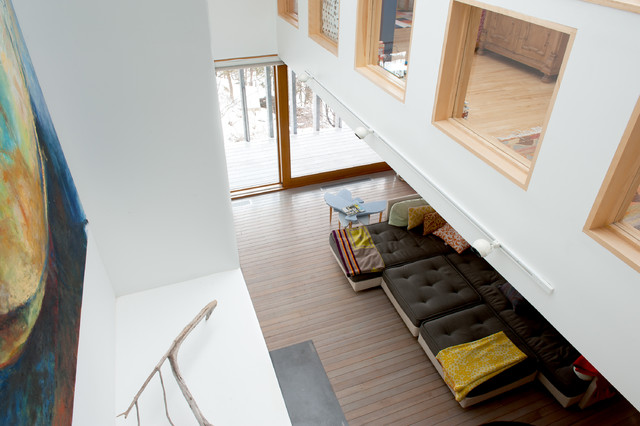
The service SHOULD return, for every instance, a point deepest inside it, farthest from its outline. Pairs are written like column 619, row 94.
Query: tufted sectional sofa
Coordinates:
column 447, row 299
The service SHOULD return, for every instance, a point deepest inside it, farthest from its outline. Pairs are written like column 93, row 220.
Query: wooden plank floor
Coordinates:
column 505, row 96
column 378, row 371
column 255, row 163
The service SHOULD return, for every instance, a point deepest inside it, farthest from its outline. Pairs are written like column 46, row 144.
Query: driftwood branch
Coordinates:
column 164, row 397
column 172, row 355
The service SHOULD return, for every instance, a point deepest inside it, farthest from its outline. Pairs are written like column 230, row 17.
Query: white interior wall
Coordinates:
column 243, row 28
column 94, row 401
column 131, row 90
column 595, row 297
column 224, row 360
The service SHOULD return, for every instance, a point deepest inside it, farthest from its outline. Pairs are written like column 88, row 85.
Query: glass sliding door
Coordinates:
column 279, row 134
column 247, row 110
column 319, row 140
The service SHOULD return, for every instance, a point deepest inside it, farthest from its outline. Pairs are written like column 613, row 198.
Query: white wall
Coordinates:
column 94, row 401
column 224, row 360
column 130, row 87
column 243, row 28
column 595, row 300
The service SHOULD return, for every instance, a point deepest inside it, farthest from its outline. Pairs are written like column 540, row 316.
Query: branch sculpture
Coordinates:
column 172, row 355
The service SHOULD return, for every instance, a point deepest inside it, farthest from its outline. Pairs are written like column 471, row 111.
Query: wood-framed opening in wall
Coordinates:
column 628, row 5
column 383, row 43
column 324, row 23
column 614, row 220
column 499, row 76
column 279, row 134
column 288, row 10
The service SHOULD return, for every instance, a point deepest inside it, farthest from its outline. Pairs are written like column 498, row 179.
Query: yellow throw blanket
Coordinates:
column 468, row 365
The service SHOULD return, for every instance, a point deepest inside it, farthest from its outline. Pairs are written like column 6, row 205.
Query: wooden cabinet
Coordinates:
column 533, row 45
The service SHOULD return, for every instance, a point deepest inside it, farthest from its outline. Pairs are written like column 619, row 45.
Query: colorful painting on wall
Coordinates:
column 42, row 248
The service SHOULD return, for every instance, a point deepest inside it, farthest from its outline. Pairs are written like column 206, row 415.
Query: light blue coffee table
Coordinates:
column 337, row 202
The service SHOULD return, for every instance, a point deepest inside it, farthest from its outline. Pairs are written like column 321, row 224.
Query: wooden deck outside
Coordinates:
column 380, row 374
column 255, row 163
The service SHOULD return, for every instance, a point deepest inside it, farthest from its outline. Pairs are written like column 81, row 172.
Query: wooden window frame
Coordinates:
column 315, row 27
column 286, row 12
column 367, row 36
column 628, row 5
column 455, row 69
column 620, row 183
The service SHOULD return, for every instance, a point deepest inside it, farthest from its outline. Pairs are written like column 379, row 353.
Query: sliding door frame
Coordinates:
column 281, row 84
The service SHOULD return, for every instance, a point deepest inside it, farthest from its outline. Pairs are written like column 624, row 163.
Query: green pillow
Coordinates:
column 399, row 213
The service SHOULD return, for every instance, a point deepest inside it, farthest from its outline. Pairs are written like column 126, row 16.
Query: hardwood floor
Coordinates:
column 255, row 163
column 378, row 371
column 505, row 96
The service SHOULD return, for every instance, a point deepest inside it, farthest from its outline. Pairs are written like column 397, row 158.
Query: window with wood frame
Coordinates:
column 324, row 23
column 615, row 217
column 628, row 5
column 383, row 42
column 499, row 76
column 288, row 10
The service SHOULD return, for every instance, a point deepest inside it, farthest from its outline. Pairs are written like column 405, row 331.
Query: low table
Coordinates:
column 337, row 202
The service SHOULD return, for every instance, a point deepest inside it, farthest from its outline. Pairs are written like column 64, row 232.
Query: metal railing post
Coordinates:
column 245, row 110
column 294, row 107
column 317, row 112
column 267, row 72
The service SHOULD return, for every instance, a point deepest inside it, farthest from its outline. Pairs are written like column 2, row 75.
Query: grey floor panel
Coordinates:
column 306, row 389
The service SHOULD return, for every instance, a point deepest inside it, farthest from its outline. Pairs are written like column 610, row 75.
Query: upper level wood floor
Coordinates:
column 379, row 373
column 255, row 163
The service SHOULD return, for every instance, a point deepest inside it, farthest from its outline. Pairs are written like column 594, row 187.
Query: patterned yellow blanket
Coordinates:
column 468, row 365
column 357, row 252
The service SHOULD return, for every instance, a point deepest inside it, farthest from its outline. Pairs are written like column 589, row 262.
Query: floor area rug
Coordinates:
column 523, row 142
column 632, row 216
column 307, row 393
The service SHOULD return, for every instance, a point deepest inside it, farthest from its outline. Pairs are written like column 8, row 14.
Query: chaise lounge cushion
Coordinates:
column 554, row 354
column 429, row 288
column 472, row 324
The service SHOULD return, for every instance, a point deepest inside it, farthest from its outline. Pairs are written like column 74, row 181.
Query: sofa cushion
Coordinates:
column 475, row 269
column 472, row 324
column 518, row 302
column 432, row 222
column 417, row 214
column 493, row 297
column 429, row 288
column 397, row 245
column 399, row 213
column 452, row 238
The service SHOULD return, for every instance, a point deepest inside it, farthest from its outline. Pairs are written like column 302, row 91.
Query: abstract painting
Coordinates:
column 43, row 247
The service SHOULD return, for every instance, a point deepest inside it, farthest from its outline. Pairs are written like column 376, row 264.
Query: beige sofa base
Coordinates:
column 357, row 285
column 412, row 328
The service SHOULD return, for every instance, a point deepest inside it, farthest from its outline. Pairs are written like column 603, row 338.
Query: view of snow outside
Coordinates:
column 255, row 162
column 230, row 97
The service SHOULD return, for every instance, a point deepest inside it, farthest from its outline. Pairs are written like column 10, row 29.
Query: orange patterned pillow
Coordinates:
column 432, row 221
column 451, row 237
column 416, row 215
